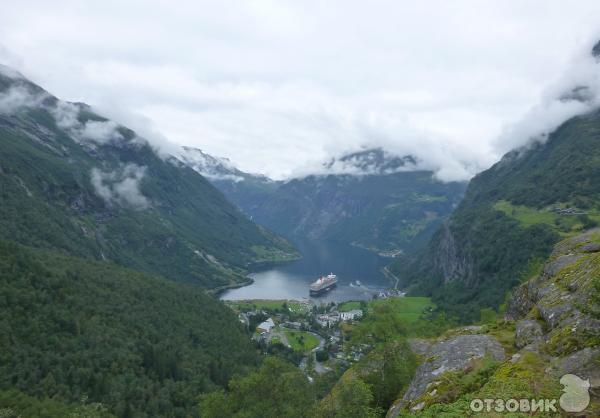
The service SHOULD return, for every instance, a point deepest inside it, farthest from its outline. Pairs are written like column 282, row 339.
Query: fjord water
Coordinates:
column 291, row 281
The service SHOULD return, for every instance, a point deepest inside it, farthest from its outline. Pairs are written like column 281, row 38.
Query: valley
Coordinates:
column 402, row 273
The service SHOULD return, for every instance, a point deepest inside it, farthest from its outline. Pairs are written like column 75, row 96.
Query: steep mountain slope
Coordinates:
column 247, row 191
column 73, row 180
column 511, row 216
column 369, row 198
column 551, row 328
column 141, row 345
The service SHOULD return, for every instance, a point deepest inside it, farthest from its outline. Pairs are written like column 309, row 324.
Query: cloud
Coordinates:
column 101, row 132
column 278, row 86
column 17, row 98
column 121, row 186
column 575, row 92
column 67, row 118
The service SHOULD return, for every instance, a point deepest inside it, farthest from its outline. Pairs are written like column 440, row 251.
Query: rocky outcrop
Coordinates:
column 449, row 355
column 527, row 332
column 562, row 295
column 556, row 322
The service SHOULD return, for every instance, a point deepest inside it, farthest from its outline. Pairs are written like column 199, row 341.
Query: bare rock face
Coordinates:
column 561, row 296
column 519, row 304
column 583, row 363
column 453, row 354
column 448, row 260
column 527, row 332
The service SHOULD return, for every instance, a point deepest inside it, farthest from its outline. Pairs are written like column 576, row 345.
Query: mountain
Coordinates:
column 78, row 336
column 511, row 216
column 107, row 250
column 247, row 191
column 370, row 198
column 551, row 329
column 75, row 181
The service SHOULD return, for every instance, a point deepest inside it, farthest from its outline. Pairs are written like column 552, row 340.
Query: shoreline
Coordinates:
column 218, row 291
column 255, row 267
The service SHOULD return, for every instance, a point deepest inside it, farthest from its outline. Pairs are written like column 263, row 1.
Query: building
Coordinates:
column 266, row 326
column 351, row 315
column 327, row 320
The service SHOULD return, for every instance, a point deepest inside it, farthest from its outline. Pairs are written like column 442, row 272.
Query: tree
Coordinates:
column 276, row 389
column 350, row 398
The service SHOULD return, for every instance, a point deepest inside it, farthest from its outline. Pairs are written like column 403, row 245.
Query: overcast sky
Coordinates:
column 278, row 86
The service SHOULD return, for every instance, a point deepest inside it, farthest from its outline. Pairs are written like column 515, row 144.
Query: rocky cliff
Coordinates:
column 551, row 328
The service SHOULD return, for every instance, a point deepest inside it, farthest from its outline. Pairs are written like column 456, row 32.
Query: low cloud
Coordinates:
column 279, row 87
column 99, row 132
column 576, row 92
column 121, row 187
column 17, row 98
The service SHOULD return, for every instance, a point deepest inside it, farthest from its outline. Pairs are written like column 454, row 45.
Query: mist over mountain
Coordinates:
column 370, row 198
column 299, row 209
column 514, row 212
column 78, row 182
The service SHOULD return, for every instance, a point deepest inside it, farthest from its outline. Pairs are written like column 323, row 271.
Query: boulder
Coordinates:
column 519, row 304
column 591, row 248
column 450, row 355
column 527, row 332
column 583, row 363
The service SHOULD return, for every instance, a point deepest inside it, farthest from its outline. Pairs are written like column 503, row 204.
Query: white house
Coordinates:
column 265, row 326
column 351, row 315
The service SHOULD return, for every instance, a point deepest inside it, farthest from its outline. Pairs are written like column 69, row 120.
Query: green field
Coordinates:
column 564, row 224
column 301, row 340
column 266, row 305
column 349, row 305
column 407, row 308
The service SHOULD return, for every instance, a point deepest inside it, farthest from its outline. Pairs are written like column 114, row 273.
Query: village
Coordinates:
column 312, row 335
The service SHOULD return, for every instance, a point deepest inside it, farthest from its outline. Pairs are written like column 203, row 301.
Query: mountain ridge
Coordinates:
column 105, row 188
column 370, row 198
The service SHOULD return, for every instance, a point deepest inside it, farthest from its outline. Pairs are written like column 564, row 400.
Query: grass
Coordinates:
column 349, row 305
column 407, row 308
column 273, row 254
column 301, row 340
column 566, row 225
column 266, row 305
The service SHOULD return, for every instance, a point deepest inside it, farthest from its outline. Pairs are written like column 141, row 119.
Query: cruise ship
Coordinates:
column 323, row 284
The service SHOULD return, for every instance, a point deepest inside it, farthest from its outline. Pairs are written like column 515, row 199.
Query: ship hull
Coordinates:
column 322, row 291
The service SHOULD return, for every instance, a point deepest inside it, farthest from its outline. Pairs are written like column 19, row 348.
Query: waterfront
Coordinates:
column 291, row 281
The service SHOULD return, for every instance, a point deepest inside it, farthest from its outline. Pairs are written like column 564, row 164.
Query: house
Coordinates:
column 327, row 320
column 351, row 315
column 265, row 326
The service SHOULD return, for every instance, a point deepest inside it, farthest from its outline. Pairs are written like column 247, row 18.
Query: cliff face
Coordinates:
column 551, row 328
column 509, row 220
column 448, row 261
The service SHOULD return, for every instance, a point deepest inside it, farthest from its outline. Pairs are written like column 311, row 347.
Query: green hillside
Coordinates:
column 140, row 345
column 510, row 218
column 116, row 199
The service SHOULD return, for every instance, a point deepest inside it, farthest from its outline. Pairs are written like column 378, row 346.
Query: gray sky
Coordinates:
column 278, row 86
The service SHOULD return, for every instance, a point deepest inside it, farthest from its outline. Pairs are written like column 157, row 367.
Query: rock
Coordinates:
column 449, row 355
column 448, row 261
column 591, row 248
column 583, row 363
column 555, row 314
column 552, row 268
column 526, row 332
column 519, row 304
column 418, row 346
